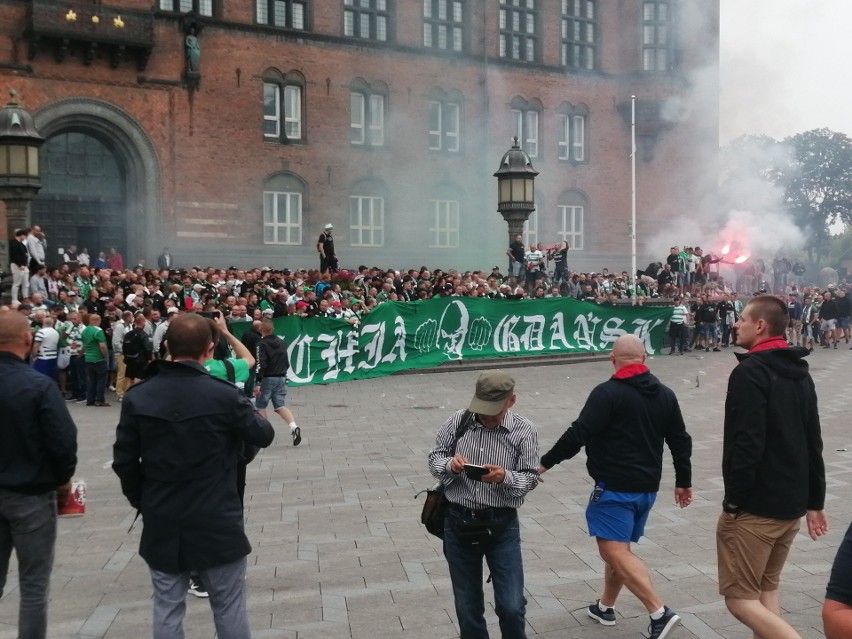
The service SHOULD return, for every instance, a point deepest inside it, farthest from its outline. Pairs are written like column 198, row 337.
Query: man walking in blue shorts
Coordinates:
column 623, row 426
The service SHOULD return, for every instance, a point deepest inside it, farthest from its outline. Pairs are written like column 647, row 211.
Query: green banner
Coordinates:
column 398, row 336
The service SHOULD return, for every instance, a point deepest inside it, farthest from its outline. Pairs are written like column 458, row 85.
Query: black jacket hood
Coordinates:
column 645, row 383
column 787, row 362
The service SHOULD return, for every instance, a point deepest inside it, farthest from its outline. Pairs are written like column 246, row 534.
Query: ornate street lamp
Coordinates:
column 19, row 173
column 515, row 189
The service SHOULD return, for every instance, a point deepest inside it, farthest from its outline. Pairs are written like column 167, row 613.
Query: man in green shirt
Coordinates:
column 95, row 356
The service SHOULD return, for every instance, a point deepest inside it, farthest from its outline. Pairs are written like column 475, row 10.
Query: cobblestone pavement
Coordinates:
column 338, row 549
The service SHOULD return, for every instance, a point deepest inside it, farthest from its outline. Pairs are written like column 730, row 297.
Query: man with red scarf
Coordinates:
column 772, row 467
column 623, row 426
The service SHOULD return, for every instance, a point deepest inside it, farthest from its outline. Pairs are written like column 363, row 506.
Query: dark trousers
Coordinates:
column 78, row 376
column 96, row 374
column 677, row 333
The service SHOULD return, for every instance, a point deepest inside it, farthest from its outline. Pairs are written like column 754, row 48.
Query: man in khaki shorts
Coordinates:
column 772, row 466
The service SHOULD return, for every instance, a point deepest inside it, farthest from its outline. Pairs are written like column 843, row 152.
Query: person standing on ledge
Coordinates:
column 325, row 246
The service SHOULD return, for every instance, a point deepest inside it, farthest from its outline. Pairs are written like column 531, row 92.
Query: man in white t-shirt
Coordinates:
column 45, row 348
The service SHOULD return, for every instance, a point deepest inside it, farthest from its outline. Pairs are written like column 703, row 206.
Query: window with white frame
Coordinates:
column 571, row 214
column 531, row 229
column 657, row 37
column 282, row 111
column 282, row 13
column 443, row 24
column 444, row 223
column 518, row 30
column 444, row 126
column 282, row 217
column 572, row 137
column 367, row 118
column 579, row 34
column 366, row 220
column 367, row 19
column 525, row 127
column 201, row 7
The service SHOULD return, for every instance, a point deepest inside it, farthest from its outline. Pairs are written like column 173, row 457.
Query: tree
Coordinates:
column 818, row 185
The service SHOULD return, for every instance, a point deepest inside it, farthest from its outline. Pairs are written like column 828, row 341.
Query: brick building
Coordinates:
column 232, row 132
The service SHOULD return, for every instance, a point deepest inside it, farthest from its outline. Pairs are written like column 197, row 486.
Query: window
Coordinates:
column 572, row 134
column 282, row 13
column 367, row 19
column 443, row 24
column 444, row 123
column 283, row 197
column 366, row 118
column 579, row 34
column 518, row 29
column 444, row 223
column 525, row 125
column 366, row 220
column 657, row 41
column 201, row 7
column 531, row 229
column 283, row 106
column 571, row 213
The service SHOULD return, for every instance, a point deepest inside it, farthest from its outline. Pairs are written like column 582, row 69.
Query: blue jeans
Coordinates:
column 28, row 524
column 227, row 588
column 503, row 555
column 272, row 389
column 96, row 374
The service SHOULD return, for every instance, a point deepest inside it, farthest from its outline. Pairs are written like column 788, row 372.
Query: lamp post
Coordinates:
column 515, row 189
column 19, row 173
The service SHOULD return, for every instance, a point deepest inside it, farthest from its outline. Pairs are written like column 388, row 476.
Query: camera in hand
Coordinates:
column 475, row 472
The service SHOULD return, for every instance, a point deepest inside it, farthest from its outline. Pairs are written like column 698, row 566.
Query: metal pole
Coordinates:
column 633, row 194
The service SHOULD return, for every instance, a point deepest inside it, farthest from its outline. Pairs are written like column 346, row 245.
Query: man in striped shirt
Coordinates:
column 487, row 458
column 677, row 327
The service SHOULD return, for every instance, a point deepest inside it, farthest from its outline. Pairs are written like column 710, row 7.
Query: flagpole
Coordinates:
column 633, row 195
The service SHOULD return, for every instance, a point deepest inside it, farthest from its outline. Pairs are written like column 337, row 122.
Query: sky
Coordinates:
column 784, row 67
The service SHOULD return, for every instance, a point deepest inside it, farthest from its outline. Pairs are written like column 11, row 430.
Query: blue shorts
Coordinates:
column 708, row 330
column 843, row 322
column 272, row 389
column 619, row 516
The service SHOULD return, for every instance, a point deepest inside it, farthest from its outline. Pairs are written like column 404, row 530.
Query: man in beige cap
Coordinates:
column 487, row 458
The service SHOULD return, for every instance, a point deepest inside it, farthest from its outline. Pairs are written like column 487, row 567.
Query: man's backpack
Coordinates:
column 132, row 346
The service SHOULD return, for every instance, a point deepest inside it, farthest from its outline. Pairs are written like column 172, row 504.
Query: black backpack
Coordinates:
column 132, row 346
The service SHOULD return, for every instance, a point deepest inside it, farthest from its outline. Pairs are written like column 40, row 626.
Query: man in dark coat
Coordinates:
column 176, row 453
column 772, row 467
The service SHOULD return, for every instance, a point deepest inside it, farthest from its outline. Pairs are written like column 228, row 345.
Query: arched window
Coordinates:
column 283, row 106
column 573, row 128
column 525, row 124
column 367, row 214
column 367, row 107
column 283, row 203
column 444, row 215
column 445, row 121
column 572, row 208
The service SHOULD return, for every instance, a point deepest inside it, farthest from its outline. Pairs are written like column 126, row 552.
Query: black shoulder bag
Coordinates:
column 247, row 451
column 435, row 507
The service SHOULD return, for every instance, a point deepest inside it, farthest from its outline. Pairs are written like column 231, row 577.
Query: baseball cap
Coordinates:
column 301, row 305
column 493, row 389
column 328, row 227
column 268, row 311
column 172, row 309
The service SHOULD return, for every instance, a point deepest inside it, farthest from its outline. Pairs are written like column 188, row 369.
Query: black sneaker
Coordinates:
column 717, row 350
column 605, row 618
column 706, row 350
column 196, row 587
column 663, row 626
column 297, row 436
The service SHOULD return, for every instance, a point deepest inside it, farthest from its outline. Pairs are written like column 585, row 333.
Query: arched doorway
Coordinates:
column 122, row 197
column 83, row 195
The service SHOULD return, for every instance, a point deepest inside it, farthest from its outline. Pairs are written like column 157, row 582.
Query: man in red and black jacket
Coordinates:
column 624, row 424
column 771, row 464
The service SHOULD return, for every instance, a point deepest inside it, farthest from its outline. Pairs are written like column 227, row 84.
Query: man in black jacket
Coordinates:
column 19, row 264
column 271, row 384
column 772, row 467
column 37, row 460
column 176, row 453
column 623, row 426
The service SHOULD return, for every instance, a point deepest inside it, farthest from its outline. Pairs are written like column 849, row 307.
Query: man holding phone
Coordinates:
column 487, row 457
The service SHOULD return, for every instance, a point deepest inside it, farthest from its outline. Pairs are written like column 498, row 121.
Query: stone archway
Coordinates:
column 134, row 153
